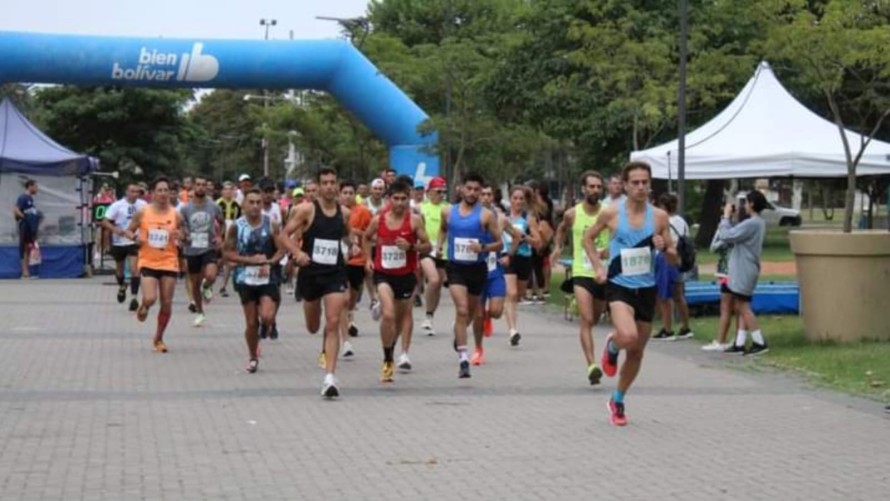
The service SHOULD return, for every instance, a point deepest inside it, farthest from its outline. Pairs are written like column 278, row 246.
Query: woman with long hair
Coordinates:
column 519, row 268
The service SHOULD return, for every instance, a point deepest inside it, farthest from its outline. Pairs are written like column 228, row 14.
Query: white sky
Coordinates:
column 179, row 18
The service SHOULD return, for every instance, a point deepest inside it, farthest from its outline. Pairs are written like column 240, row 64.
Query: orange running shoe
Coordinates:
column 160, row 347
column 478, row 357
column 609, row 361
column 487, row 326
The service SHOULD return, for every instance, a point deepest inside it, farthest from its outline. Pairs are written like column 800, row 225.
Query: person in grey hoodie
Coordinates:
column 744, row 268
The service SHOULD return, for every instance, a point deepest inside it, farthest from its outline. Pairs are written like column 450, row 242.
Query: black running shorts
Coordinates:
column 521, row 266
column 598, row 291
column 121, row 252
column 356, row 276
column 472, row 276
column 157, row 274
column 402, row 285
column 641, row 300
column 197, row 263
column 314, row 287
column 253, row 293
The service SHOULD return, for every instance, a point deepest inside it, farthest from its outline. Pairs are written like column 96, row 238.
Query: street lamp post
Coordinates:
column 268, row 23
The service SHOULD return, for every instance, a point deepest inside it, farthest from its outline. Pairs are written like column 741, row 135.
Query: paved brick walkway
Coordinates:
column 87, row 411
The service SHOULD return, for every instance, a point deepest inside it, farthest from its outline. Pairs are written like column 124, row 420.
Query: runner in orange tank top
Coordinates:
column 158, row 238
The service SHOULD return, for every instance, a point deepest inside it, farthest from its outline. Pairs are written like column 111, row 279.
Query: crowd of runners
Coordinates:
column 329, row 242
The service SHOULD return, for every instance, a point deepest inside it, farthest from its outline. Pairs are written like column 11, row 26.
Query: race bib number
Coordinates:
column 636, row 261
column 256, row 275
column 492, row 261
column 391, row 257
column 325, row 251
column 200, row 240
column 462, row 250
column 158, row 238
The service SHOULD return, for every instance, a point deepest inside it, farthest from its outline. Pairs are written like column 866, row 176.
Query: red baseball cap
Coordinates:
column 436, row 183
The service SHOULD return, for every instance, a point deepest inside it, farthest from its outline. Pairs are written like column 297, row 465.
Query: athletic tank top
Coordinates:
column 158, row 250
column 521, row 225
column 389, row 259
column 251, row 241
column 581, row 265
column 631, row 253
column 462, row 231
column 322, row 242
column 432, row 221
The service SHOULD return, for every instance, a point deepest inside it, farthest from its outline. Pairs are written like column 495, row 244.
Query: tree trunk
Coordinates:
column 849, row 200
column 710, row 215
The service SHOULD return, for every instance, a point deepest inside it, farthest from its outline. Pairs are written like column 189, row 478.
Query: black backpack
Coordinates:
column 686, row 251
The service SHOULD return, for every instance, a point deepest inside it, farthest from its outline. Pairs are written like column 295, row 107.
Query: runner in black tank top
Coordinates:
column 322, row 229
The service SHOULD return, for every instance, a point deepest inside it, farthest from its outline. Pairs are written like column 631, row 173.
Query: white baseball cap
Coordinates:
column 243, row 177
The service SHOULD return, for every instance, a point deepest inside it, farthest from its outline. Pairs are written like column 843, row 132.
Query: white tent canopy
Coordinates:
column 765, row 132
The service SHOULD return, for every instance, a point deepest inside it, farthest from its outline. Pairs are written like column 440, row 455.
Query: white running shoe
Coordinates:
column 207, row 292
column 347, row 349
column 428, row 327
column 375, row 310
column 404, row 362
column 715, row 346
column 329, row 388
column 199, row 320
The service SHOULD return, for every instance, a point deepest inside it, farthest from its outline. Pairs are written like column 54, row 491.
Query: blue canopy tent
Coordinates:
column 63, row 197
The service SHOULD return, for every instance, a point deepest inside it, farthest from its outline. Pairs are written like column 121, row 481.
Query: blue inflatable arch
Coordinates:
column 334, row 66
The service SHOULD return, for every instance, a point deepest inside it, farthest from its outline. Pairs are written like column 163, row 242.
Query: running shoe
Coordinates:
column 387, row 372
column 478, row 357
column 757, row 348
column 715, row 346
column 487, row 326
column 375, row 310
column 193, row 308
column 616, row 413
column 537, row 300
column 223, row 292
column 404, row 362
column 735, row 349
column 160, row 347
column 609, row 361
column 264, row 331
column 526, row 302
column 207, row 292
column 515, row 337
column 685, row 333
column 322, row 361
column 352, row 330
column 329, row 388
column 252, row 365
column 464, row 371
column 199, row 320
column 141, row 313
column 134, row 304
column 594, row 374
column 121, row 294
column 347, row 349
column 289, row 289
column 273, row 332
column 418, row 302
column 428, row 326
column 664, row 335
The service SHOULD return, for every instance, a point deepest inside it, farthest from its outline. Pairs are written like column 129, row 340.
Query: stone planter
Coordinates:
column 844, row 283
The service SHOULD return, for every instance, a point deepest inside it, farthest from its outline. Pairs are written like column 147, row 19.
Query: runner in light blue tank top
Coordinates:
column 631, row 254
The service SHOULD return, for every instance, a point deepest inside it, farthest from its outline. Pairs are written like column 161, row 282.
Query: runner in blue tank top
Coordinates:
column 251, row 246
column 637, row 229
column 495, row 290
column 465, row 226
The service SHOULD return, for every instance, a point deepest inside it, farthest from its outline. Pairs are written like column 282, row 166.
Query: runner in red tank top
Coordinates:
column 399, row 236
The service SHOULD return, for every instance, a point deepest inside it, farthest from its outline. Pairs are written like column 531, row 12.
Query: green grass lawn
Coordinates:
column 860, row 368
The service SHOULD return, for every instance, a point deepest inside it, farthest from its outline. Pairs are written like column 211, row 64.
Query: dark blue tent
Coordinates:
column 28, row 153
